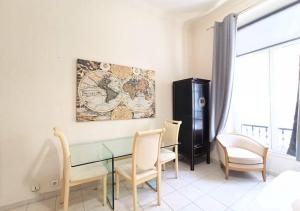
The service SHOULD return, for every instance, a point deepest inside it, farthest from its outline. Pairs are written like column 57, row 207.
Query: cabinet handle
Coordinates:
column 202, row 102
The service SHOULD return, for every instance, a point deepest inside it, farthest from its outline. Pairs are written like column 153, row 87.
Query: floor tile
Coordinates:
column 125, row 189
column 191, row 176
column 191, row 207
column 169, row 173
column 75, row 202
column 166, row 189
column 154, row 207
column 92, row 197
column 236, row 191
column 100, row 208
column 208, row 183
column 125, row 204
column 146, row 195
column 176, row 183
column 243, row 203
column 190, row 192
column 176, row 200
column 207, row 203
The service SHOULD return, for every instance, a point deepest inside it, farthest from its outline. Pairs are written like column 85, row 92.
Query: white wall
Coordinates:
column 40, row 42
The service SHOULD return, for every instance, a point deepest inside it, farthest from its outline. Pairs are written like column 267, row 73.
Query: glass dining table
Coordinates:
column 106, row 152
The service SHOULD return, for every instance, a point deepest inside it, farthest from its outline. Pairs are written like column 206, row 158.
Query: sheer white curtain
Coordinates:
column 266, row 78
column 265, row 95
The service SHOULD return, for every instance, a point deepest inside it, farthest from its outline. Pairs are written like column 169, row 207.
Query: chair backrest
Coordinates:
column 170, row 136
column 146, row 150
column 66, row 152
column 241, row 141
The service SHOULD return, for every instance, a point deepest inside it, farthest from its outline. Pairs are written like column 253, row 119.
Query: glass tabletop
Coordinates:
column 119, row 147
column 85, row 153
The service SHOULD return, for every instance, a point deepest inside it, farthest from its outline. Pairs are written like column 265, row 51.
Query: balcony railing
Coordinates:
column 255, row 130
column 286, row 133
column 261, row 132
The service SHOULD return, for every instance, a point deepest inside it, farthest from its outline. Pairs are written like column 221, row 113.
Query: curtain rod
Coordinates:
column 241, row 12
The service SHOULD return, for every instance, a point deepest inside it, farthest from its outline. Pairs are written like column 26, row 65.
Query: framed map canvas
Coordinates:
column 113, row 92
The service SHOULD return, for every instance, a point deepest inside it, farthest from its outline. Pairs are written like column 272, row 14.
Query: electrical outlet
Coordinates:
column 35, row 188
column 54, row 182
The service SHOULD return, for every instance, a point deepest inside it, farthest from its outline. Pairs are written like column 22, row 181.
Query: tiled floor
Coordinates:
column 202, row 189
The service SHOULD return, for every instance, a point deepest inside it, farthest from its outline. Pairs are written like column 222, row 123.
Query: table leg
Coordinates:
column 110, row 194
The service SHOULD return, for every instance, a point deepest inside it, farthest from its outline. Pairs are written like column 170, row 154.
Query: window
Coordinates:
column 265, row 93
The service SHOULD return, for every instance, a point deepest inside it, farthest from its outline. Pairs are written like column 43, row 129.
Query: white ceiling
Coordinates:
column 201, row 7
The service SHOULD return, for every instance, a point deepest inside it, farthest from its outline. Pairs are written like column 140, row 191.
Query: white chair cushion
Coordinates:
column 88, row 171
column 243, row 156
column 166, row 155
column 126, row 171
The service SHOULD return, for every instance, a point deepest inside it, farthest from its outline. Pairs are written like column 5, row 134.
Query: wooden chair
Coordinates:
column 241, row 153
column 170, row 137
column 73, row 176
column 145, row 163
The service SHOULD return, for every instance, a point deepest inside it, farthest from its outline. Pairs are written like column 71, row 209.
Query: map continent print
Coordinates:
column 113, row 92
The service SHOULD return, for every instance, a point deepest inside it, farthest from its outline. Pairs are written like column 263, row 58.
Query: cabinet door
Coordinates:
column 200, row 114
column 205, row 110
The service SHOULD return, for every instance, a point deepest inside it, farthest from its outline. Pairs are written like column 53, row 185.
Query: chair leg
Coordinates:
column 158, row 189
column 117, row 186
column 104, row 189
column 226, row 172
column 264, row 174
column 163, row 167
column 62, row 193
column 176, row 161
column 66, row 196
column 134, row 195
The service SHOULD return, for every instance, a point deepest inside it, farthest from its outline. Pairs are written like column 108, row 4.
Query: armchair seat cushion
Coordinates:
column 243, row 156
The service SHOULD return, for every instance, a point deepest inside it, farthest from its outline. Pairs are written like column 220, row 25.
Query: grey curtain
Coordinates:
column 222, row 73
column 294, row 147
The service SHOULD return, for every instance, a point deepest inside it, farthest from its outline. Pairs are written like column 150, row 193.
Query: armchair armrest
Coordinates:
column 223, row 155
column 253, row 145
column 241, row 141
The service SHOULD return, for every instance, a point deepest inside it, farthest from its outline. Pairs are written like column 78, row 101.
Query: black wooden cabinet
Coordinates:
column 190, row 105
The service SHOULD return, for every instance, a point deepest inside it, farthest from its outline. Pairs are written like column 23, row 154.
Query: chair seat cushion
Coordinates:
column 243, row 156
column 87, row 172
column 121, row 162
column 166, row 155
column 126, row 171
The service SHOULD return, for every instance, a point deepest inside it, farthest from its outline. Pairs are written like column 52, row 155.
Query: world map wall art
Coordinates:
column 113, row 92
